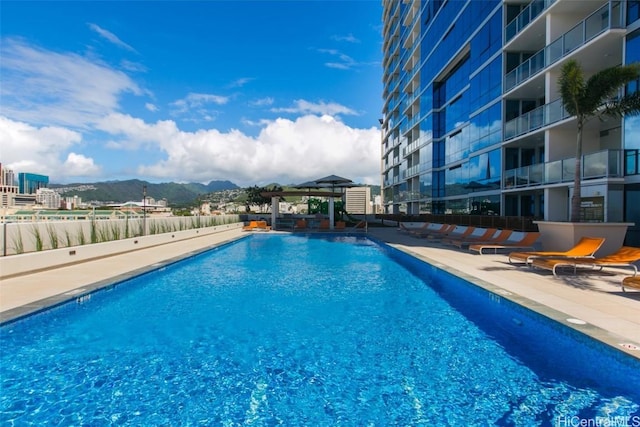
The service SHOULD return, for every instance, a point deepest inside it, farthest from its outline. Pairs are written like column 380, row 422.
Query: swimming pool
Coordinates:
column 296, row 330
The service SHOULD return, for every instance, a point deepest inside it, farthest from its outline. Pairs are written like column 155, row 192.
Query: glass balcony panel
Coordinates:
column 553, row 172
column 555, row 51
column 522, row 178
column 536, row 174
column 510, row 178
column 596, row 23
column 568, row 169
column 615, row 163
column 537, row 62
column 595, row 165
column 536, row 118
column 555, row 111
column 573, row 38
column 631, row 162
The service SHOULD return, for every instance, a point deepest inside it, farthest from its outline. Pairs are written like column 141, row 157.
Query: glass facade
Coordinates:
column 442, row 110
column 473, row 120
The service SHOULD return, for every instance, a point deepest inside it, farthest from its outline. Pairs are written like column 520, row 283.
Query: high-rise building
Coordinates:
column 358, row 200
column 8, row 187
column 29, row 183
column 472, row 117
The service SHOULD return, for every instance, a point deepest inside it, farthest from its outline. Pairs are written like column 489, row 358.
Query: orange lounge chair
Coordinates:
column 252, row 226
column 585, row 248
column 626, row 256
column 479, row 235
column 324, row 224
column 526, row 242
column 497, row 239
column 435, row 230
column 459, row 232
column 340, row 225
column 262, row 226
column 301, row 224
column 631, row 282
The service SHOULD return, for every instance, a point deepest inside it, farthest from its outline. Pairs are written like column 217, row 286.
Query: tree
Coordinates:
column 595, row 97
column 254, row 196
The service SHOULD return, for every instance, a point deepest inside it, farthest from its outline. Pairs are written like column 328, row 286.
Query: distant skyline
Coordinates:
column 252, row 92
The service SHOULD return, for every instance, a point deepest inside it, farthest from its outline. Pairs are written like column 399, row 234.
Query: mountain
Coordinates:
column 131, row 190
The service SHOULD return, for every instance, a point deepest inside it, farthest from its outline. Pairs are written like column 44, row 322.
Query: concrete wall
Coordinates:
column 25, row 237
column 42, row 260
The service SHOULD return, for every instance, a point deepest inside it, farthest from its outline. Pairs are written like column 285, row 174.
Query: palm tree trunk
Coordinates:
column 577, row 193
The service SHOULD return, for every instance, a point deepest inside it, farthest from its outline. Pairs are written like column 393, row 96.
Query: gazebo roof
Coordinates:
column 318, row 193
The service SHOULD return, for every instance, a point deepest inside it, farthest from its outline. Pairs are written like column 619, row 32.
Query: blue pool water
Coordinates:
column 318, row 331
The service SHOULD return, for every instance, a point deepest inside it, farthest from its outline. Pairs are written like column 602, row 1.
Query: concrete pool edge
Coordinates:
column 15, row 314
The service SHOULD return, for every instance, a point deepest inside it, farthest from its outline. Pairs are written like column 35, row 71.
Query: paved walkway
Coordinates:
column 595, row 299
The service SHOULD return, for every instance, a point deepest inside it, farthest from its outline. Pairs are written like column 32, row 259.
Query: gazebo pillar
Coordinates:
column 331, row 213
column 275, row 203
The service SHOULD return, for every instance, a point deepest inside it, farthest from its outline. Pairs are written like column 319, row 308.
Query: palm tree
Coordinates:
column 597, row 96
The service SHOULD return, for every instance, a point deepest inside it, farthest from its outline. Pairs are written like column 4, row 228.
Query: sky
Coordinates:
column 254, row 92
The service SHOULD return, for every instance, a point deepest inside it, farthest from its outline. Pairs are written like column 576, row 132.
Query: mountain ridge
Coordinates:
column 127, row 190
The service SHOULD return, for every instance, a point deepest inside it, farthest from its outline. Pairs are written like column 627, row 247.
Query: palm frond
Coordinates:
column 571, row 85
column 605, row 84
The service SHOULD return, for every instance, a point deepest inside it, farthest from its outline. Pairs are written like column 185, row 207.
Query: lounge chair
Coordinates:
column 435, row 230
column 252, row 226
column 301, row 224
column 499, row 238
column 457, row 233
column 340, row 225
column 262, row 226
column 631, row 282
column 408, row 230
column 626, row 256
column 526, row 242
column 324, row 224
column 479, row 235
column 585, row 248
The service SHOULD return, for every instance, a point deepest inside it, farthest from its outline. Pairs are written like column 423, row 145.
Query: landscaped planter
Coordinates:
column 44, row 260
column 560, row 236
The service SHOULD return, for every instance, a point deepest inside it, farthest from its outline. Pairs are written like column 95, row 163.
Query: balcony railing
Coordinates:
column 528, row 14
column 607, row 17
column 535, row 119
column 601, row 164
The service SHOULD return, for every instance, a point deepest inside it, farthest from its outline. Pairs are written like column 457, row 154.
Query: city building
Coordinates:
column 472, row 118
column 48, row 198
column 358, row 200
column 29, row 183
column 8, row 187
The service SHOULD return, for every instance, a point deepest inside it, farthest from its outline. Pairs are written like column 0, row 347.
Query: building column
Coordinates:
column 275, row 203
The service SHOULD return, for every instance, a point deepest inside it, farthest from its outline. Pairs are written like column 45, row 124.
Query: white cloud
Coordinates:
column 348, row 38
column 285, row 151
column 196, row 106
column 108, row 35
column 26, row 148
column 344, row 62
column 305, row 107
column 151, row 107
column 262, row 102
column 241, row 82
column 50, row 88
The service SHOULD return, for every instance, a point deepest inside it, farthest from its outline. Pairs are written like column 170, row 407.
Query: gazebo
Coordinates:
column 318, row 187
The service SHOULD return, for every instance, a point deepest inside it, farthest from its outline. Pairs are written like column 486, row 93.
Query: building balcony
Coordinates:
column 528, row 14
column 540, row 117
column 601, row 164
column 608, row 17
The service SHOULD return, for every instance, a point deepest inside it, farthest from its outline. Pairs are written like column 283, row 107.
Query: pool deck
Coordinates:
column 596, row 299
